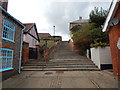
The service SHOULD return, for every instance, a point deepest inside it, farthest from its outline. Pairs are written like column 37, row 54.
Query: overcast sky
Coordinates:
column 47, row 13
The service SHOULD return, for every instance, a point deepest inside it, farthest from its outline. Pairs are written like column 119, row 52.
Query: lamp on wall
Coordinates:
column 114, row 21
column 118, row 43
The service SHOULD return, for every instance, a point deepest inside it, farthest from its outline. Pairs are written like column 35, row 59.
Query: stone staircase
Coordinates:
column 64, row 59
column 69, row 65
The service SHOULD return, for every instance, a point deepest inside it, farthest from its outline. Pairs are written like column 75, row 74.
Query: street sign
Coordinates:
column 118, row 44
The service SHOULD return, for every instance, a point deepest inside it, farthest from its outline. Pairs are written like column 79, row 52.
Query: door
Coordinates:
column 33, row 53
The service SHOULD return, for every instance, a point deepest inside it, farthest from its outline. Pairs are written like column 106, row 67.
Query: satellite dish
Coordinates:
column 113, row 22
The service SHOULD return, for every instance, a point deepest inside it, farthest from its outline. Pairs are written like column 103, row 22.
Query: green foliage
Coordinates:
column 92, row 32
column 56, row 39
column 98, row 16
column 100, row 44
column 76, row 28
column 83, row 34
column 47, row 43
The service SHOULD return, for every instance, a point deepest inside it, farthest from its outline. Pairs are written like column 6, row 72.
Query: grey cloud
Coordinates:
column 60, row 14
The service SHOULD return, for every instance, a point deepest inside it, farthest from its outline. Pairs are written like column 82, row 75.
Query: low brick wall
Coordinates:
column 73, row 46
column 48, row 52
column 25, row 52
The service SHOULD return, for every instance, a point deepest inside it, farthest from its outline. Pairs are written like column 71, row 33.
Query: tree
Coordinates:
column 98, row 16
column 75, row 28
column 91, row 33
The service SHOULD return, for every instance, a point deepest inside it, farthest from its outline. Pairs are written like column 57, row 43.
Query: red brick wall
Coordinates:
column 114, row 34
column 25, row 52
column 73, row 46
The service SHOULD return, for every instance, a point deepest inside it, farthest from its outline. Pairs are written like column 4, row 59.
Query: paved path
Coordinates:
column 60, row 79
column 64, row 52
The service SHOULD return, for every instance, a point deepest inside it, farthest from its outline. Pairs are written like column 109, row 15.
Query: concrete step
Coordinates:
column 60, row 69
column 62, row 66
column 57, row 64
column 62, row 62
column 69, row 60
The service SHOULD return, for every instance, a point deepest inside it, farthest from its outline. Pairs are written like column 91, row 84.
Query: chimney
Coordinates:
column 80, row 18
column 5, row 4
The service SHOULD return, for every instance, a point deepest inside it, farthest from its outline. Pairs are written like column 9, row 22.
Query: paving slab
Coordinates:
column 76, row 82
column 35, row 82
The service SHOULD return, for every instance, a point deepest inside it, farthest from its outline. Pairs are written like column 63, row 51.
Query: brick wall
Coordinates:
column 114, row 34
column 12, row 45
column 73, row 46
column 49, row 52
column 25, row 52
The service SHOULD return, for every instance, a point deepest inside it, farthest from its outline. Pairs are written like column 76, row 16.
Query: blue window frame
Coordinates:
column 6, row 59
column 8, row 30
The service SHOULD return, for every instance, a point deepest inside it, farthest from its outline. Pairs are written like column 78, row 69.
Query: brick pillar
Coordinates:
column 25, row 52
column 38, row 51
column 46, row 54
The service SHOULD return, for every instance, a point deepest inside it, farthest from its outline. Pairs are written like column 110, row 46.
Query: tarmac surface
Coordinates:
column 62, row 79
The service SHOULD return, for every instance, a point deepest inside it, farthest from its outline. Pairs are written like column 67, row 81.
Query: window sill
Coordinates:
column 8, row 39
column 6, row 69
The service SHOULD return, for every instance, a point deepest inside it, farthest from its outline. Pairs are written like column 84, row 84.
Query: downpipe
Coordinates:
column 20, row 58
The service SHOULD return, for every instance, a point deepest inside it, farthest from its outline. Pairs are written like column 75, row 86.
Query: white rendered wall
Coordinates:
column 29, row 39
column 87, row 54
column 101, row 56
column 95, row 57
column 105, row 55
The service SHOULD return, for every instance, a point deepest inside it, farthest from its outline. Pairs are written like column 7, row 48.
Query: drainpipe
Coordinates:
column 21, row 37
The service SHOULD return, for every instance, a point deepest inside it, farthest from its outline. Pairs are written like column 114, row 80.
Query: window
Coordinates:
column 6, row 59
column 33, row 42
column 8, row 30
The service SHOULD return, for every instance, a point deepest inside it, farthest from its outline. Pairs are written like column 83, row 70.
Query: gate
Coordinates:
column 33, row 53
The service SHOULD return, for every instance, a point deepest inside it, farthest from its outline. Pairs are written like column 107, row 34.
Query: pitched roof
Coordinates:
column 44, row 35
column 112, row 10
column 28, row 26
column 80, row 21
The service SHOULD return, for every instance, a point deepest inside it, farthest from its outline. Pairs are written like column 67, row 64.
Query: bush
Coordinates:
column 100, row 44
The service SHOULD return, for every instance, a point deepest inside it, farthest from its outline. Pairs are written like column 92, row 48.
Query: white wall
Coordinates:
column 95, row 57
column 29, row 39
column 105, row 55
column 87, row 54
column 101, row 56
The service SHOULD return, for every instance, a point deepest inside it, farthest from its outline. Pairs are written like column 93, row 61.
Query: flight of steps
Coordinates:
column 62, row 65
column 64, row 59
